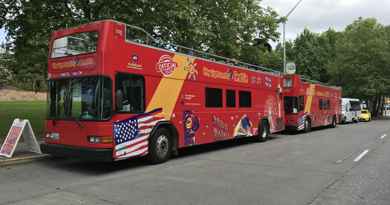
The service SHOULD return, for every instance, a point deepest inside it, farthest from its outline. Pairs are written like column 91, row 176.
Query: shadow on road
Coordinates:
column 101, row 168
column 314, row 129
column 223, row 145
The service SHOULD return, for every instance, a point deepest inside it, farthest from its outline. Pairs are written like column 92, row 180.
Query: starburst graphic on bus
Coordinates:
column 191, row 68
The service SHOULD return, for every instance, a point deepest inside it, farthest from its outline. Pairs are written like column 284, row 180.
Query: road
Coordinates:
column 346, row 165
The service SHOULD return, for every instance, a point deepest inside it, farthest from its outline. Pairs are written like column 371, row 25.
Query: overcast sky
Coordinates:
column 319, row 15
column 2, row 35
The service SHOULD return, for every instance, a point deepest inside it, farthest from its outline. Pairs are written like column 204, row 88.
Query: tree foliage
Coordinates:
column 357, row 59
column 231, row 28
column 312, row 53
column 361, row 63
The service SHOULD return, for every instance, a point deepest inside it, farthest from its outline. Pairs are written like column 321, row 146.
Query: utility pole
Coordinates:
column 283, row 20
column 91, row 10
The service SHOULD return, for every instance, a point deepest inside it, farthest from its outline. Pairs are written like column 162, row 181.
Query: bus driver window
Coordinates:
column 129, row 93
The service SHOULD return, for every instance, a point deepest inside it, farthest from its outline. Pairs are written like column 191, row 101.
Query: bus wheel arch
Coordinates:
column 173, row 133
column 307, row 124
column 334, row 122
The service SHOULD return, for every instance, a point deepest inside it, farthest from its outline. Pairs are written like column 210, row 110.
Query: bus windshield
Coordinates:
column 75, row 44
column 355, row 106
column 293, row 104
column 86, row 98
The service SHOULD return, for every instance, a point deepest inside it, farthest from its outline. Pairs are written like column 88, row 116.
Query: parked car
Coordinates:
column 365, row 115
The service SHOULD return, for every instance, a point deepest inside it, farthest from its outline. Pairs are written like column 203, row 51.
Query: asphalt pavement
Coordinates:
column 345, row 165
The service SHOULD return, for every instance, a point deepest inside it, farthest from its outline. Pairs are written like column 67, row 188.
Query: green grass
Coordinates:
column 35, row 111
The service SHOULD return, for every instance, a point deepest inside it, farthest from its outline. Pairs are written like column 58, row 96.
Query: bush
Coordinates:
column 5, row 77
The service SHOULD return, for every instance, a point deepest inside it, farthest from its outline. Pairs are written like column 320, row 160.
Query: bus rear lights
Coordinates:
column 99, row 139
column 53, row 136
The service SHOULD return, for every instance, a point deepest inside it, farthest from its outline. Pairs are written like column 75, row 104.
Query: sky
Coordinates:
column 2, row 35
column 319, row 15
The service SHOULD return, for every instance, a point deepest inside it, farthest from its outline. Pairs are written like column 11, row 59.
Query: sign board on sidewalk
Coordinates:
column 19, row 128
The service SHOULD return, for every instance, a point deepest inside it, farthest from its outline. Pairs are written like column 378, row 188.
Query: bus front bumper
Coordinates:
column 92, row 154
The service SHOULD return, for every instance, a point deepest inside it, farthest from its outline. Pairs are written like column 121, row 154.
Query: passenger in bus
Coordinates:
column 118, row 99
column 122, row 104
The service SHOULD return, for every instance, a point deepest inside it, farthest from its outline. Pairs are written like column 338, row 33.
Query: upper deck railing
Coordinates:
column 139, row 35
column 318, row 82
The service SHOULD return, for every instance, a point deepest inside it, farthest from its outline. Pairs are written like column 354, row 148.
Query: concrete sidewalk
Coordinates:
column 21, row 157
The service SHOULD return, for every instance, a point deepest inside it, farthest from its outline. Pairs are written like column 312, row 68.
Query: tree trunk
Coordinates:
column 376, row 106
column 382, row 101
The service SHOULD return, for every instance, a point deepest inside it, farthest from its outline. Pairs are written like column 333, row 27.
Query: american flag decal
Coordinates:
column 131, row 135
column 301, row 122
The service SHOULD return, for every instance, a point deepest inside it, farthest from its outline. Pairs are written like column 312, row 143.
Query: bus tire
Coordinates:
column 334, row 122
column 160, row 146
column 307, row 125
column 263, row 134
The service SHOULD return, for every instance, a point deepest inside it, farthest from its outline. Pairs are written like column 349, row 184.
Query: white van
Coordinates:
column 350, row 110
column 386, row 111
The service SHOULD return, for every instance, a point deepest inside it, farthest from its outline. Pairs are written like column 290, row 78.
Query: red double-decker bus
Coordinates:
column 310, row 104
column 115, row 92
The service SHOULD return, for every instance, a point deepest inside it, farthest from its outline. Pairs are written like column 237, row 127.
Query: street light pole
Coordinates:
column 284, row 21
column 284, row 47
column 91, row 10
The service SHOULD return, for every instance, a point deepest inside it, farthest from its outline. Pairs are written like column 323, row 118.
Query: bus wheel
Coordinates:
column 333, row 125
column 160, row 146
column 263, row 132
column 307, row 124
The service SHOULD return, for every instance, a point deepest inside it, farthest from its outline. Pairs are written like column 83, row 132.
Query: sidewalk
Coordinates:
column 21, row 157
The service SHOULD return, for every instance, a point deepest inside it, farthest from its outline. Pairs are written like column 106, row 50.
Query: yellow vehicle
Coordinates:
column 365, row 115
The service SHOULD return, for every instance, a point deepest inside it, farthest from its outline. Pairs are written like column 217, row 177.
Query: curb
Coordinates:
column 22, row 159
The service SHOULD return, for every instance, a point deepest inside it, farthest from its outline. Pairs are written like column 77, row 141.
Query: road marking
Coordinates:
column 383, row 136
column 361, row 155
column 339, row 161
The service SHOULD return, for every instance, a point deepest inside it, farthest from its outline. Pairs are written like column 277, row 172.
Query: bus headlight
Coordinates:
column 53, row 136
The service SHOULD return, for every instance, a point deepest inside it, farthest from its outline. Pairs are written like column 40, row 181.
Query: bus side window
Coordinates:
column 245, row 99
column 129, row 93
column 328, row 104
column 213, row 97
column 230, row 98
column 301, row 103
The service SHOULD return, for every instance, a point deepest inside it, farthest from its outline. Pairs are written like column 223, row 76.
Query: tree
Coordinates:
column 362, row 62
column 357, row 59
column 312, row 53
column 226, row 27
